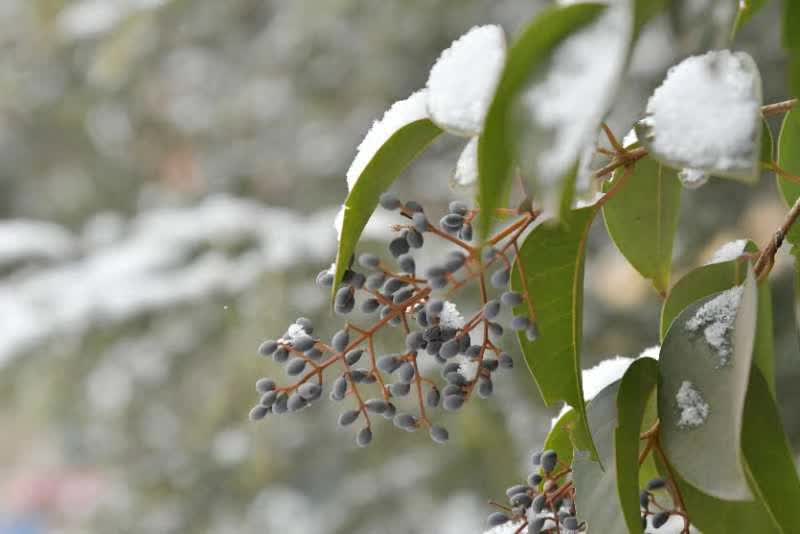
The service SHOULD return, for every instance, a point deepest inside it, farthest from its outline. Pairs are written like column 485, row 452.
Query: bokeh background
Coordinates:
column 169, row 172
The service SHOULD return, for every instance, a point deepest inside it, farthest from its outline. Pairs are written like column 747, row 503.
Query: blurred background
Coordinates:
column 169, row 173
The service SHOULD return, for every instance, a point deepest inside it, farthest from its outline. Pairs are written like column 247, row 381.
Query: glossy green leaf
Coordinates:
column 789, row 161
column 747, row 8
column 596, row 482
column 791, row 40
column 716, row 277
column 388, row 163
column 767, row 143
column 552, row 260
column 769, row 456
column 689, row 367
column 642, row 219
column 637, row 385
column 561, row 436
column 526, row 56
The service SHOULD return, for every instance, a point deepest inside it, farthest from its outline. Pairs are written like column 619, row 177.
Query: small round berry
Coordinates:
column 354, row 356
column 455, row 261
column 295, row 366
column 340, row 340
column 375, row 281
column 265, row 384
column 539, row 503
column 280, row 355
column 339, row 388
column 348, row 417
column 420, row 222
column 399, row 389
column 549, row 460
column 491, row 309
column 296, row 402
column 258, row 412
column 656, row 484
column 403, row 295
column 495, row 329
column 344, row 301
column 505, row 361
column 369, row 261
column 405, row 421
column 433, row 398
column 364, row 437
column 407, row 263
column 660, row 519
column 500, row 278
column 485, row 388
column 325, row 279
column 310, row 391
column 453, row 403
column 413, row 207
column 451, row 222
column 377, row 406
column 489, row 254
column 280, row 404
column 517, row 489
column 303, row 342
column 519, row 323
column 466, row 232
column 532, row 332
column 390, row 411
column 389, row 201
column 496, row 519
column 449, row 349
column 405, row 373
column 458, row 207
column 268, row 347
column 536, row 526
column 415, row 238
column 570, row 523
column 535, row 479
column 490, row 364
column 644, row 499
column 511, row 298
column 398, row 246
column 439, row 434
column 414, row 341
column 521, row 499
column 392, row 285
column 388, row 364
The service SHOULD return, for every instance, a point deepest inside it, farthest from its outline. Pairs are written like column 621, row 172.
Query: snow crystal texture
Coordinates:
column 401, row 114
column 729, row 251
column 693, row 408
column 450, row 316
column 706, row 113
column 463, row 80
column 715, row 318
column 467, row 166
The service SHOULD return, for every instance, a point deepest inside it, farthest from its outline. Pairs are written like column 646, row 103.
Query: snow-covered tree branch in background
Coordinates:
column 685, row 437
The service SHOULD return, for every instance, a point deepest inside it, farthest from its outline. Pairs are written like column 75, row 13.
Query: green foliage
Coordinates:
column 556, row 280
column 384, row 168
column 791, row 40
column 636, row 388
column 789, row 161
column 596, row 481
column 643, row 217
column 747, row 9
column 769, row 456
column 691, row 365
column 526, row 56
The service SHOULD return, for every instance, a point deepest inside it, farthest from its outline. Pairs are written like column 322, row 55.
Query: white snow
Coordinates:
column 402, row 113
column 468, row 369
column 729, row 251
column 466, row 173
column 511, row 527
column 706, row 113
column 450, row 316
column 463, row 80
column 164, row 258
column 566, row 103
column 630, row 138
column 693, row 178
column 338, row 222
column 694, row 409
column 24, row 240
column 716, row 318
column 605, row 373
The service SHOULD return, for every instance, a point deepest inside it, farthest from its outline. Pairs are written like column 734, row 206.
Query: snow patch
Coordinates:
column 729, row 251
column 693, row 178
column 706, row 114
column 401, row 114
column 468, row 369
column 694, row 409
column 716, row 318
column 450, row 316
column 463, row 80
column 466, row 173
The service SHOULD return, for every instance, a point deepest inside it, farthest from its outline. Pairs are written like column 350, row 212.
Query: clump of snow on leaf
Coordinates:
column 693, row 408
column 463, row 80
column 401, row 114
column 450, row 316
column 706, row 114
column 693, row 178
column 729, row 251
column 466, row 173
column 605, row 373
column 565, row 103
column 715, row 318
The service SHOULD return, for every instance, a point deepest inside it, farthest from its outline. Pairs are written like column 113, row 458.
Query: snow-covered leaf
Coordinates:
column 560, row 111
column 642, row 219
column 466, row 172
column 389, row 147
column 526, row 56
column 705, row 367
column 706, row 116
column 463, row 80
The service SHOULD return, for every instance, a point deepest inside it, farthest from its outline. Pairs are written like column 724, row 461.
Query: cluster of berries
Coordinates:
column 546, row 504
column 656, row 511
column 435, row 335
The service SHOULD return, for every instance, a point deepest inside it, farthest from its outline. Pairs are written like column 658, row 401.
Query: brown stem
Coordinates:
column 767, row 258
column 778, row 107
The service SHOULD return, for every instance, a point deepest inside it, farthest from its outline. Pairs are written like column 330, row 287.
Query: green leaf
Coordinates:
column 561, row 437
column 791, row 40
column 552, row 260
column 747, row 8
column 644, row 11
column 789, row 161
column 596, row 482
column 526, row 56
column 384, row 168
column 704, row 449
column 716, row 277
column 769, row 455
column 767, row 143
column 642, row 219
column 635, row 389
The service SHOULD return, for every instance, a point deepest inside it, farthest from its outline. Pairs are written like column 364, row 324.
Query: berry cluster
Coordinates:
column 433, row 333
column 545, row 504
